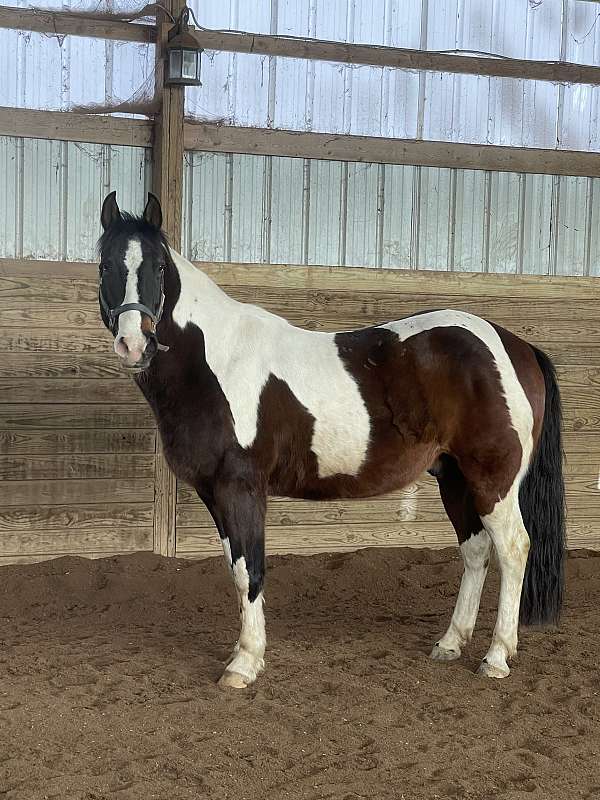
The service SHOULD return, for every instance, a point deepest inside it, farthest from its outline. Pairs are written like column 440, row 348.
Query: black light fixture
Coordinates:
column 182, row 61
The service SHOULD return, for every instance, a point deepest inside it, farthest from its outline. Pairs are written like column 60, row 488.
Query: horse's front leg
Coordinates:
column 239, row 510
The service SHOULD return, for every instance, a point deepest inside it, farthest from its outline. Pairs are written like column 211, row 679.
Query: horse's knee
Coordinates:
column 476, row 551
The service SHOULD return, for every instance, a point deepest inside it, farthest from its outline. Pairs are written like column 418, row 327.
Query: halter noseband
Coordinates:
column 113, row 314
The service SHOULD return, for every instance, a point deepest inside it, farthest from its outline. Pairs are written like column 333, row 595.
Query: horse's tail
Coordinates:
column 542, row 501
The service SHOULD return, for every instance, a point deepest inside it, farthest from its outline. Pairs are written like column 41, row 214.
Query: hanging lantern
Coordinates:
column 182, row 67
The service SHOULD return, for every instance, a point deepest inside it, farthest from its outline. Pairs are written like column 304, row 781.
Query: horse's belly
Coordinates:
column 340, row 442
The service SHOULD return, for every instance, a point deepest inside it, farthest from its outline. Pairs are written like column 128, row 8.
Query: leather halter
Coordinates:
column 113, row 314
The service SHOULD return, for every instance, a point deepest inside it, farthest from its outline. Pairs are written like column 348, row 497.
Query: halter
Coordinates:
column 113, row 314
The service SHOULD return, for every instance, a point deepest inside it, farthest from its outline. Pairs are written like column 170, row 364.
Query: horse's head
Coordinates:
column 133, row 257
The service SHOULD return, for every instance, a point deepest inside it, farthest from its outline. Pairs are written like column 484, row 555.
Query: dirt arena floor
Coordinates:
column 108, row 671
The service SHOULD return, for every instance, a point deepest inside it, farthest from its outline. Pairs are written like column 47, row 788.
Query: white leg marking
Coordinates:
column 511, row 541
column 476, row 552
column 248, row 657
column 227, row 552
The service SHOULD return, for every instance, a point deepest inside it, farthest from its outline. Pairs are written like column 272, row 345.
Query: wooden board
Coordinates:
column 68, row 126
column 77, row 24
column 200, row 542
column 65, row 518
column 69, row 442
column 19, row 277
column 61, row 365
column 212, row 137
column 78, row 391
column 63, row 467
column 48, row 416
column 90, row 543
column 76, row 490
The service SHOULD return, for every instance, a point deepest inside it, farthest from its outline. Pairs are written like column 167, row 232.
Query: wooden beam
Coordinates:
column 65, row 23
column 167, row 175
column 397, row 57
column 286, row 277
column 374, row 149
column 67, row 126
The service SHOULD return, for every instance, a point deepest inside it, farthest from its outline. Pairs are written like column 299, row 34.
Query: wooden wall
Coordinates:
column 78, row 444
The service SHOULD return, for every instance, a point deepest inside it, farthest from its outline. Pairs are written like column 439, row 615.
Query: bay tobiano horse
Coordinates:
column 249, row 406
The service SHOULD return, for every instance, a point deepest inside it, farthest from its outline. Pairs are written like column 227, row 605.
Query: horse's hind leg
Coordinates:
column 475, row 547
column 511, row 542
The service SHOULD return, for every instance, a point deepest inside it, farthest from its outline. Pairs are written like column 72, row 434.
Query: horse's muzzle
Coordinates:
column 137, row 352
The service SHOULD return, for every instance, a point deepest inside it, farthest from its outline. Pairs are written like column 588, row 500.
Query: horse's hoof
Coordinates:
column 441, row 654
column 491, row 671
column 232, row 680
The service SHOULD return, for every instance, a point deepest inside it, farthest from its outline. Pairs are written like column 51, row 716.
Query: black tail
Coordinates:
column 542, row 501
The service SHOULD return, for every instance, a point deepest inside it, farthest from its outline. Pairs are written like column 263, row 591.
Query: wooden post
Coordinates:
column 167, row 182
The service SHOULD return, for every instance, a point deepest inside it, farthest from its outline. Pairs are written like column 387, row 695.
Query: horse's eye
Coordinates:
column 104, row 267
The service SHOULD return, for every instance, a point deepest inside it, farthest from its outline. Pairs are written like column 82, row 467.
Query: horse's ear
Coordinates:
column 110, row 211
column 153, row 212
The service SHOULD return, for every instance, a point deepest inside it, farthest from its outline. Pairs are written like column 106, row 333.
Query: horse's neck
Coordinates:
column 205, row 305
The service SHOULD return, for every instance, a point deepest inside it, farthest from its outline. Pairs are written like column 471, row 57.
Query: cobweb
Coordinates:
column 87, row 75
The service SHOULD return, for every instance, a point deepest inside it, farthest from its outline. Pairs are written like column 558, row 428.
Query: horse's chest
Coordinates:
column 195, row 426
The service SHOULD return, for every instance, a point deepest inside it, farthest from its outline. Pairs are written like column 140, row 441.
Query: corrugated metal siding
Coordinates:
column 52, row 192
column 49, row 73
column 245, row 89
column 281, row 209
column 285, row 210
column 371, row 101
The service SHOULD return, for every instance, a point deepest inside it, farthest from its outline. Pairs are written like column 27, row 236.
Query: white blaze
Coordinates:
column 130, row 322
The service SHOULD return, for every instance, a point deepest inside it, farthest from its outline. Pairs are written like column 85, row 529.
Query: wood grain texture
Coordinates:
column 207, row 136
column 70, row 442
column 77, row 466
column 23, row 277
column 395, row 57
column 77, row 24
column 420, row 282
column 77, row 491
column 201, row 542
column 167, row 181
column 78, row 391
column 68, row 126
column 91, row 543
column 49, row 416
column 65, row 518
column 55, row 340
column 61, row 365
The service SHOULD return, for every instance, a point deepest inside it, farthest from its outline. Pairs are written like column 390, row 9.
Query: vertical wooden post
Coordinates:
column 167, row 184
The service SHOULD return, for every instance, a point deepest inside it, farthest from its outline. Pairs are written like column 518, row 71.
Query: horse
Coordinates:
column 249, row 406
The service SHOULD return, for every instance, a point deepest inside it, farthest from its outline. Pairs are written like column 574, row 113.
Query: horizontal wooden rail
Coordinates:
column 67, row 126
column 105, row 129
column 64, row 23
column 374, row 149
column 358, row 279
column 397, row 57
column 68, row 23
